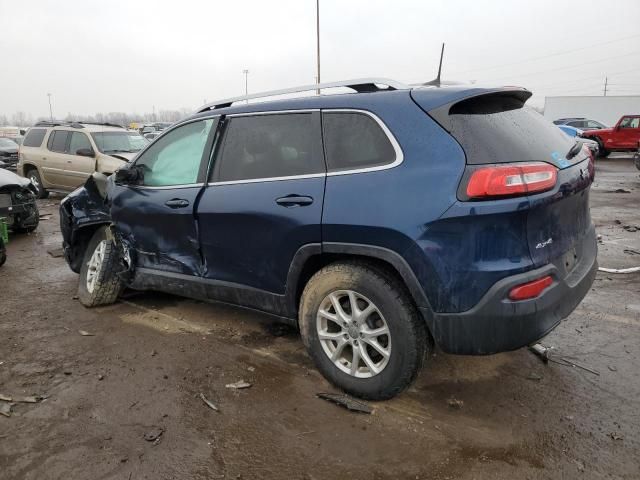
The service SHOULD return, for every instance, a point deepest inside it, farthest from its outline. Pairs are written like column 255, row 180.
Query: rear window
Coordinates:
column 353, row 141
column 58, row 141
column 269, row 146
column 34, row 137
column 499, row 128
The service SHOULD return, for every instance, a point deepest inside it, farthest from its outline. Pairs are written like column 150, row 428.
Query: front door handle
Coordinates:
column 177, row 203
column 294, row 201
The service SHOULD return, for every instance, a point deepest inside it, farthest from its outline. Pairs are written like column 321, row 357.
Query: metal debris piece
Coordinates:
column 5, row 409
column 621, row 190
column 251, row 369
column 570, row 363
column 239, row 385
column 534, row 376
column 346, row 402
column 154, row 434
column 615, row 436
column 613, row 368
column 84, row 333
column 5, row 398
column 208, row 403
column 619, row 270
column 29, row 399
column 56, row 252
column 455, row 403
column 541, row 351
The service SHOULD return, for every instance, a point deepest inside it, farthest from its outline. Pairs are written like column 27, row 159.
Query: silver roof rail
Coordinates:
column 360, row 85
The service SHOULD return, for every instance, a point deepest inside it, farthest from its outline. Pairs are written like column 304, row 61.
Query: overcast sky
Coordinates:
column 132, row 55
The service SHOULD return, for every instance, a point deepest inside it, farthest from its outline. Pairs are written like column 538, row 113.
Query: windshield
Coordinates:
column 5, row 142
column 116, row 141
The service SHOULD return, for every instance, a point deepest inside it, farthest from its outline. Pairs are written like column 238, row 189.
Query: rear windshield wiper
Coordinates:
column 574, row 150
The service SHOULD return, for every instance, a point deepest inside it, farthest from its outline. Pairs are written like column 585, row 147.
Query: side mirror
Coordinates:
column 128, row 174
column 85, row 152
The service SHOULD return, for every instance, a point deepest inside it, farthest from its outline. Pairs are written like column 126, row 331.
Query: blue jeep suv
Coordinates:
column 381, row 222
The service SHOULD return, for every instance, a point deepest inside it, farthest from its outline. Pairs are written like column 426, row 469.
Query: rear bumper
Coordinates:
column 497, row 324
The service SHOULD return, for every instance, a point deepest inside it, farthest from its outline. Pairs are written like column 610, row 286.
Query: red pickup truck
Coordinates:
column 624, row 137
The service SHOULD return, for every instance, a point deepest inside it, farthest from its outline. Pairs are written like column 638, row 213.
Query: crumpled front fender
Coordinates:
column 81, row 213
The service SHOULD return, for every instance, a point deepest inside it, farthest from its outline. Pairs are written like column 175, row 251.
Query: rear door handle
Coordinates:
column 294, row 201
column 177, row 203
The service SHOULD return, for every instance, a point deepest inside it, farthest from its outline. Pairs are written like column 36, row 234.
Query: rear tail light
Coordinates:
column 530, row 289
column 592, row 162
column 512, row 179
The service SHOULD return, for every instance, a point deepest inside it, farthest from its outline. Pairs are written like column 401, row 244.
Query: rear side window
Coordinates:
column 34, row 137
column 354, row 141
column 498, row 128
column 269, row 146
column 58, row 141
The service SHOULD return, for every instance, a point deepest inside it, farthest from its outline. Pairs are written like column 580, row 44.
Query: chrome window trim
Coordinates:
column 394, row 143
column 166, row 187
column 268, row 179
column 392, row 139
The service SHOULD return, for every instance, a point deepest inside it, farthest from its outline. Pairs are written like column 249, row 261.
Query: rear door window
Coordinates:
column 58, row 141
column 355, row 140
column 34, row 137
column 271, row 146
column 499, row 128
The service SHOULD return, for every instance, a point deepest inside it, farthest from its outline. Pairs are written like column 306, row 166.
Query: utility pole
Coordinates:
column 50, row 109
column 246, row 83
column 606, row 81
column 318, row 42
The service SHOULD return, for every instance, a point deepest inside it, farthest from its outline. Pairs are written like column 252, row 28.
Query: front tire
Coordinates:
column 99, row 281
column 602, row 152
column 362, row 330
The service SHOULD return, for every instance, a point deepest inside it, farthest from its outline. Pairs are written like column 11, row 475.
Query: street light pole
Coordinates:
column 246, row 83
column 50, row 110
column 318, row 43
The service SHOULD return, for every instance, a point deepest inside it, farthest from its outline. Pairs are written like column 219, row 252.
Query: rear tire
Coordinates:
column 385, row 363
column 34, row 176
column 99, row 281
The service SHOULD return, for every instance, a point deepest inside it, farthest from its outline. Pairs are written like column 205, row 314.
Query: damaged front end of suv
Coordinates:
column 82, row 212
column 18, row 202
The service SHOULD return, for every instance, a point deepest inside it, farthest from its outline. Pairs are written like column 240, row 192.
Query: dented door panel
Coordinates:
column 161, row 232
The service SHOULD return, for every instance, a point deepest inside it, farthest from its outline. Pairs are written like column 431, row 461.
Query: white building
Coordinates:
column 607, row 110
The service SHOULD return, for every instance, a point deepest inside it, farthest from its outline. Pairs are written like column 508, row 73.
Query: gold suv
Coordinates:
column 62, row 155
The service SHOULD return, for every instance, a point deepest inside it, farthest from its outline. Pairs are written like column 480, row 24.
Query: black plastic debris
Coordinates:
column 346, row 402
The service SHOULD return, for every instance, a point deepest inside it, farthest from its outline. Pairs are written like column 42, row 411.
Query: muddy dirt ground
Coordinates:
column 151, row 355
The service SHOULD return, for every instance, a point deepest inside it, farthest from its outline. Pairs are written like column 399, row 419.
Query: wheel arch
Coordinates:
column 75, row 249
column 311, row 258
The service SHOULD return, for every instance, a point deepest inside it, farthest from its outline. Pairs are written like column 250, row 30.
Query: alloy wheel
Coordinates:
column 353, row 333
column 94, row 265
